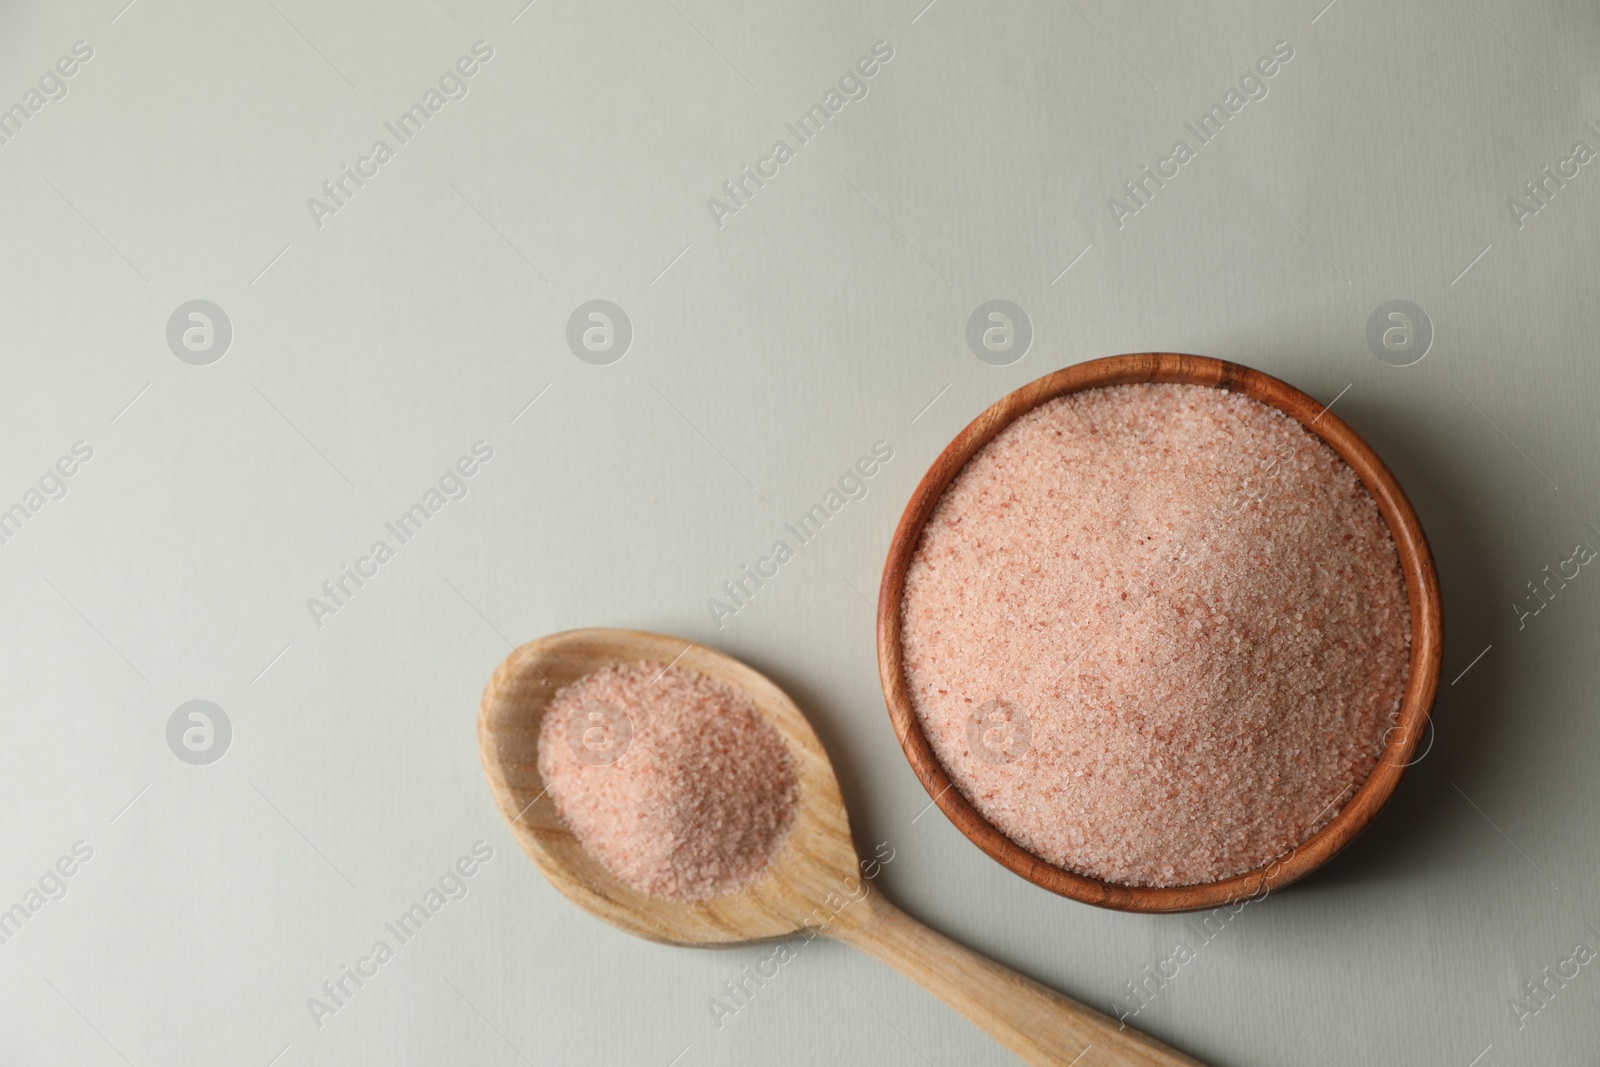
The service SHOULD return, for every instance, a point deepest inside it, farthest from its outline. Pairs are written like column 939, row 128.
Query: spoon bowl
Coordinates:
column 813, row 885
column 817, row 858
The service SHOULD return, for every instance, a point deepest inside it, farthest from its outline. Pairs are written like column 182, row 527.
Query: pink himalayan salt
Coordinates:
column 702, row 795
column 1156, row 633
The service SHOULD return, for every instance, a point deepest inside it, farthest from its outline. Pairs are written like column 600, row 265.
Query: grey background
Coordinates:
column 369, row 353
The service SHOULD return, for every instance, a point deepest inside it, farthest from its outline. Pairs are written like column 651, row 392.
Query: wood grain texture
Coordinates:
column 1038, row 1024
column 1416, row 566
column 814, row 883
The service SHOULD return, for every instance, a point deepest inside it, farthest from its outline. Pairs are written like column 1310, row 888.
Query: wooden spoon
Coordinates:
column 815, row 882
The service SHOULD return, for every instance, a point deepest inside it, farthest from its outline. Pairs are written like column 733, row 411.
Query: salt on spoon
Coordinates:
column 812, row 884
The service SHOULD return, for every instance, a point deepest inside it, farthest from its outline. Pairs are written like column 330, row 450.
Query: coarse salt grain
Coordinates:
column 1156, row 634
column 701, row 796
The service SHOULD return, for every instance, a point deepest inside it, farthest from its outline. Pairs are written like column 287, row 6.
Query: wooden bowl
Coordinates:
column 1416, row 565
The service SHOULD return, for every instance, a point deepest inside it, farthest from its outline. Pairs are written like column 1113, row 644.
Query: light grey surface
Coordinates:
column 369, row 353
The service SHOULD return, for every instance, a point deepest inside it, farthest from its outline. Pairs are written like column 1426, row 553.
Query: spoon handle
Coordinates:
column 1038, row 1024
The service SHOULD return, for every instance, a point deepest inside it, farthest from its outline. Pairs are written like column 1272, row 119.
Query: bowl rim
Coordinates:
column 1416, row 567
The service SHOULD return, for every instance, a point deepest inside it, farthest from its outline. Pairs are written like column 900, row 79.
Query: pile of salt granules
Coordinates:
column 1156, row 633
column 701, row 796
